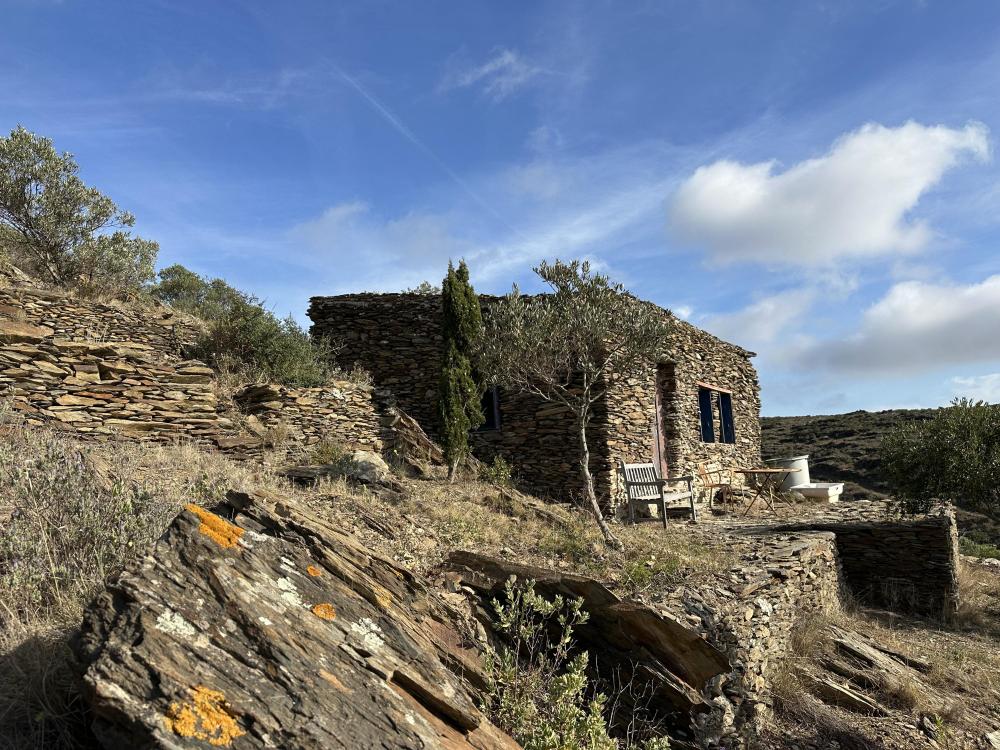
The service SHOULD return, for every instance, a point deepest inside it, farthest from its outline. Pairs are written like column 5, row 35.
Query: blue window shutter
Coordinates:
column 705, row 410
column 726, row 414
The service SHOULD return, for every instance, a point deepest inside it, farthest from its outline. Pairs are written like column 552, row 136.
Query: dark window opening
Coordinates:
column 712, row 401
column 726, row 417
column 705, row 412
column 490, row 404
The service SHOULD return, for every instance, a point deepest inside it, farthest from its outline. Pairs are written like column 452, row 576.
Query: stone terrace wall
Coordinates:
column 348, row 413
column 780, row 580
column 906, row 564
column 105, row 388
column 101, row 370
column 72, row 319
column 698, row 356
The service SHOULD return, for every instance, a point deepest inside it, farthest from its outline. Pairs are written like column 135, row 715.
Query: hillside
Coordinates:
column 841, row 447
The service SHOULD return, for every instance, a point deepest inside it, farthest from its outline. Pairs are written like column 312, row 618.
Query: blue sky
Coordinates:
column 813, row 180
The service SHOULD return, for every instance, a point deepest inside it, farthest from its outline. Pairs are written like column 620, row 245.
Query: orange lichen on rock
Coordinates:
column 383, row 597
column 216, row 528
column 314, row 571
column 205, row 717
column 325, row 611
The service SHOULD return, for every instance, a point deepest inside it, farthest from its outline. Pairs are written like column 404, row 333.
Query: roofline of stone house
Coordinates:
column 389, row 296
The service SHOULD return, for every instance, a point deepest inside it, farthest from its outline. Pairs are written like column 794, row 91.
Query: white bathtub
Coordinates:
column 830, row 491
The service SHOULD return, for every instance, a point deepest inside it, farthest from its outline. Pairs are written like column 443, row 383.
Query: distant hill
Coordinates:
column 841, row 447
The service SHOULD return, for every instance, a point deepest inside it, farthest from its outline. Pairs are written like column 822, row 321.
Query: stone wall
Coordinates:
column 73, row 319
column 101, row 370
column 698, row 357
column 780, row 581
column 106, row 388
column 397, row 338
column 903, row 564
column 346, row 413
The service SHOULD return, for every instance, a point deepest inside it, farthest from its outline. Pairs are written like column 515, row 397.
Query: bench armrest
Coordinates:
column 679, row 479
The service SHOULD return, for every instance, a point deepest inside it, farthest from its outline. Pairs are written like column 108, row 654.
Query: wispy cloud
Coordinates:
column 504, row 74
column 979, row 387
column 917, row 326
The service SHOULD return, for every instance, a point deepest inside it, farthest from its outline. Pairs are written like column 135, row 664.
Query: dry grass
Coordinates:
column 960, row 694
column 72, row 516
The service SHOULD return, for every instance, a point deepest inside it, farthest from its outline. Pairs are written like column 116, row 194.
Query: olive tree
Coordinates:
column 63, row 230
column 570, row 345
column 953, row 456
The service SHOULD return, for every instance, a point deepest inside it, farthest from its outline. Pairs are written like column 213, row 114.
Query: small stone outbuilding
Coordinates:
column 702, row 405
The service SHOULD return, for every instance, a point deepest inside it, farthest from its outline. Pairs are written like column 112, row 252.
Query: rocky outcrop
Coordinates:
column 262, row 626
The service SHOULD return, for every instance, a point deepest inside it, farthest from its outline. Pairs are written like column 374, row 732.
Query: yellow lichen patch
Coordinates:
column 314, row 571
column 324, row 611
column 383, row 597
column 205, row 717
column 332, row 679
column 216, row 528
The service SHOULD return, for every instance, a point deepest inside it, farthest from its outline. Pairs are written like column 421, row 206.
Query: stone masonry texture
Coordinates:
column 397, row 338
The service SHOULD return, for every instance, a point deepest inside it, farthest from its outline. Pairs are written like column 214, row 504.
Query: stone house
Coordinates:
column 701, row 405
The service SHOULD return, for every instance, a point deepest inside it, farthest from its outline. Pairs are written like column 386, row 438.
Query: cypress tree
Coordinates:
column 458, row 394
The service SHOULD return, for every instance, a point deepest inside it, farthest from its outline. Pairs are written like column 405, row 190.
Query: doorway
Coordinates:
column 664, row 390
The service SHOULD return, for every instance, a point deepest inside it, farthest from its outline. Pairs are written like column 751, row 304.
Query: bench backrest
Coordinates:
column 641, row 481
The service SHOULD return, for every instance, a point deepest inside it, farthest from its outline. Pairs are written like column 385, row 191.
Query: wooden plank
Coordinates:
column 711, row 387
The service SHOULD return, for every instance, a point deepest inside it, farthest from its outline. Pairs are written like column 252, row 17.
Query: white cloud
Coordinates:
column 682, row 311
column 918, row 326
column 980, row 387
column 854, row 201
column 499, row 77
column 762, row 321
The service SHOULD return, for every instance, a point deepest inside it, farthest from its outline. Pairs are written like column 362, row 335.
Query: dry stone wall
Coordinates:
column 343, row 412
column 779, row 581
column 397, row 339
column 698, row 357
column 72, row 319
column 903, row 564
column 101, row 370
column 105, row 388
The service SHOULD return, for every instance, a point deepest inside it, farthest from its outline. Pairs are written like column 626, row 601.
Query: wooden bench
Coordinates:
column 644, row 486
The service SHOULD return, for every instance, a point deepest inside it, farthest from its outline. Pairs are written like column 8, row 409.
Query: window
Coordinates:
column 715, row 413
column 491, row 409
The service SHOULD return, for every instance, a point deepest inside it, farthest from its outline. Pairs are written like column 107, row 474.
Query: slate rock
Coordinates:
column 261, row 625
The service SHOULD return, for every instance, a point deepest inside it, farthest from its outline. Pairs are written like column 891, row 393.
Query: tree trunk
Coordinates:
column 452, row 470
column 588, row 485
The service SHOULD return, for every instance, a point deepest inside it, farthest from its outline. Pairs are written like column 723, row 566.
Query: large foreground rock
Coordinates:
column 263, row 626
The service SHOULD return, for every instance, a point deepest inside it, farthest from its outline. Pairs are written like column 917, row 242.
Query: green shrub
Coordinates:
column 537, row 689
column 242, row 338
column 973, row 548
column 955, row 456
column 498, row 472
column 59, row 229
